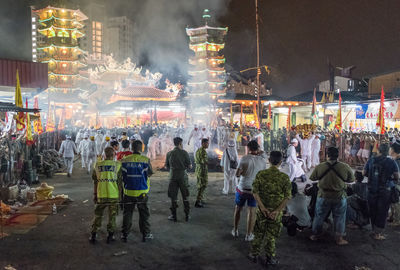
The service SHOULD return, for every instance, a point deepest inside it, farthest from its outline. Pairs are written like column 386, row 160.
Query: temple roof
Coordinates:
column 143, row 93
column 10, row 107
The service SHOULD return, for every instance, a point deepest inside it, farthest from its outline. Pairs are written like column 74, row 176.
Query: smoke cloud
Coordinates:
column 160, row 40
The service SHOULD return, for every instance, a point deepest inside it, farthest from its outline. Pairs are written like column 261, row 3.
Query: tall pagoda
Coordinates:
column 55, row 40
column 208, row 76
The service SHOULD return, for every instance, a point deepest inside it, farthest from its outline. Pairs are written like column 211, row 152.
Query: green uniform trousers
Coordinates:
column 266, row 232
column 174, row 186
column 202, row 181
column 144, row 213
column 112, row 205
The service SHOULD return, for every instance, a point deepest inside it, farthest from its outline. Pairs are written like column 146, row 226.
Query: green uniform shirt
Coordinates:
column 177, row 161
column 201, row 160
column 331, row 186
column 106, row 176
column 272, row 186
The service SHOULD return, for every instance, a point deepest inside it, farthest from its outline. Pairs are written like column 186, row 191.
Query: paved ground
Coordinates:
column 61, row 242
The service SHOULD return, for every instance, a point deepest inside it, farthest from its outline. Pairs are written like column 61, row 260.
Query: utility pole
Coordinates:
column 259, row 113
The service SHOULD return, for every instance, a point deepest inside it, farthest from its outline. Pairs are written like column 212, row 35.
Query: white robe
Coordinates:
column 230, row 179
column 305, row 145
column 315, row 148
column 83, row 149
column 152, row 147
column 196, row 135
column 295, row 169
column 98, row 139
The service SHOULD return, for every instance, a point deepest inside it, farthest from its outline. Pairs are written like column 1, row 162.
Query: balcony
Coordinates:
column 61, row 41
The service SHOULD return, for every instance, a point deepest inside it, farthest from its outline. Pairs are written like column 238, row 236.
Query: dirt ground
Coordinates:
column 61, row 241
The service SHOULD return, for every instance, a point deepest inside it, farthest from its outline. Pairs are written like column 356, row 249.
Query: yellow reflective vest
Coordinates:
column 107, row 179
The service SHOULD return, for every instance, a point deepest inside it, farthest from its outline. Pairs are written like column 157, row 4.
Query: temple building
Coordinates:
column 55, row 40
column 125, row 95
column 208, row 76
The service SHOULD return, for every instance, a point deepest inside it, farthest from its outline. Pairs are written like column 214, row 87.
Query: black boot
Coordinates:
column 124, row 237
column 198, row 204
column 147, row 236
column 172, row 217
column 110, row 237
column 187, row 217
column 92, row 238
column 271, row 261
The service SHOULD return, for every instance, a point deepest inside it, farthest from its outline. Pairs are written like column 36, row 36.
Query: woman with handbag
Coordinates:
column 229, row 164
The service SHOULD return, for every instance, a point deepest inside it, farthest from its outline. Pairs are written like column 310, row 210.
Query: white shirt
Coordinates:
column 250, row 165
column 68, row 149
column 297, row 206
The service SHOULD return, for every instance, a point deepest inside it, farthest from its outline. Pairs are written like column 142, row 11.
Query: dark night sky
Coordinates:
column 297, row 37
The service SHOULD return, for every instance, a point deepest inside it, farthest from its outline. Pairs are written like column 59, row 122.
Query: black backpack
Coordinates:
column 376, row 173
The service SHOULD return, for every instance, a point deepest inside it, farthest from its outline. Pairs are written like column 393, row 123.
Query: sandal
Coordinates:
column 379, row 237
column 314, row 237
column 341, row 242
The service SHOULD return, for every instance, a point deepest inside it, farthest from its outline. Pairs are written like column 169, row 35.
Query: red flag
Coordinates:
column 380, row 121
column 338, row 123
column 314, row 115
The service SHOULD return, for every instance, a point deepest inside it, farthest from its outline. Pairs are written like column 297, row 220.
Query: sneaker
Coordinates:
column 235, row 233
column 249, row 237
column 148, row 236
column 224, row 193
column 172, row 218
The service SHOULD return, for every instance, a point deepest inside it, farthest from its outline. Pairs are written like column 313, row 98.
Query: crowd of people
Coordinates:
column 273, row 195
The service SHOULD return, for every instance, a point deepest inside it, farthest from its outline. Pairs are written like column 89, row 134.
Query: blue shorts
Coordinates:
column 242, row 197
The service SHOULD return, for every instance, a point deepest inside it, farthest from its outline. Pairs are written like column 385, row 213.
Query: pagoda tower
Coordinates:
column 208, row 76
column 55, row 40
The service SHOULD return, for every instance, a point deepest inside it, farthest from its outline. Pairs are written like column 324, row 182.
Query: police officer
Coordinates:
column 135, row 172
column 106, row 194
column 272, row 191
column 201, row 160
column 178, row 161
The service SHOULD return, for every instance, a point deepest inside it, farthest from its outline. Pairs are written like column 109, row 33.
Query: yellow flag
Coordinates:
column 38, row 122
column 323, row 99
column 20, row 118
column 29, row 138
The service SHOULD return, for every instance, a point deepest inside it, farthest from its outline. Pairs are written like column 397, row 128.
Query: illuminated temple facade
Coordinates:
column 55, row 40
column 208, row 76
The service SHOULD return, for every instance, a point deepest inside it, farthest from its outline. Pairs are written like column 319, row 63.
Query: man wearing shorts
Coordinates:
column 247, row 170
column 369, row 141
